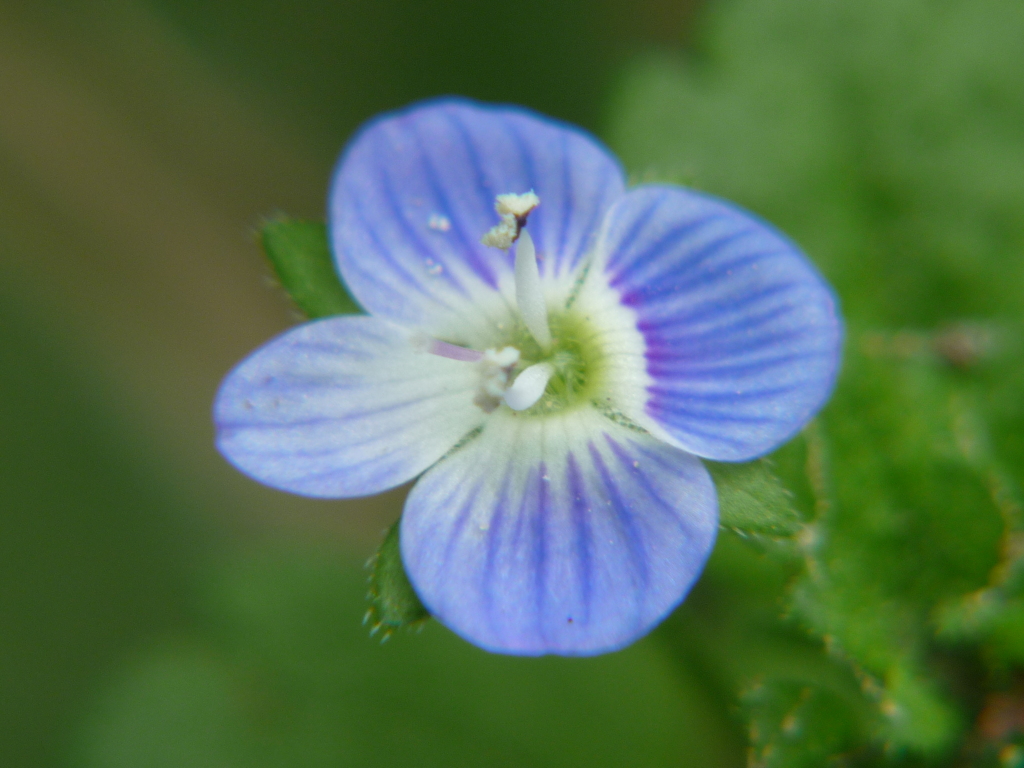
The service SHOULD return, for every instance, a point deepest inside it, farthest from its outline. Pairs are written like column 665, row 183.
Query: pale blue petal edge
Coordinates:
column 743, row 335
column 343, row 407
column 539, row 538
column 415, row 189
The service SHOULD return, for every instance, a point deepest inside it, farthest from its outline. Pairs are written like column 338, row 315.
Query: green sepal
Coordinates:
column 393, row 602
column 301, row 257
column 752, row 501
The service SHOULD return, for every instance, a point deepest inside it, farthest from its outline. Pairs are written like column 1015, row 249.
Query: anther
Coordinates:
column 495, row 367
column 513, row 210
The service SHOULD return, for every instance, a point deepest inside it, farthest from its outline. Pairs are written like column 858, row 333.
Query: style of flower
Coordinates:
column 553, row 398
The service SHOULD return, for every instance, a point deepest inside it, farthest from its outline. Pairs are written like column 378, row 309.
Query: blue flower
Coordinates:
column 553, row 398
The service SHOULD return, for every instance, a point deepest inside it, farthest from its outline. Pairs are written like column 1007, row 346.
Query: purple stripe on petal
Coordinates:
column 735, row 348
column 732, row 314
column 567, row 191
column 725, row 398
column 529, row 170
column 416, row 238
column 638, row 453
column 540, row 515
column 414, row 193
column 478, row 180
column 468, row 244
column 495, row 536
column 711, row 431
column 582, row 537
column 670, row 406
column 463, row 517
column 408, row 282
column 343, row 407
column 675, row 333
column 625, row 520
column 668, row 314
column 713, row 371
column 674, row 238
column 624, row 253
column 579, row 501
column 697, row 279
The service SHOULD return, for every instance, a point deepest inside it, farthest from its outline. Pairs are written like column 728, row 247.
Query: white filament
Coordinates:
column 454, row 352
column 529, row 386
column 529, row 295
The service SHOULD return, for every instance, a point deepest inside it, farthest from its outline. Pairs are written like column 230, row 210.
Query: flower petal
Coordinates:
column 345, row 406
column 742, row 339
column 415, row 191
column 566, row 534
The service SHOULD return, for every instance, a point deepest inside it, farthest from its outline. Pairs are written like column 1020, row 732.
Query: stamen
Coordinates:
column 513, row 210
column 529, row 386
column 529, row 295
column 454, row 352
column 424, row 342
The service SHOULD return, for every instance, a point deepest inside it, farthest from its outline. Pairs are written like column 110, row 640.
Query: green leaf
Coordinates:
column 919, row 715
column 794, row 724
column 393, row 601
column 905, row 524
column 801, row 112
column 993, row 615
column 753, row 501
column 301, row 258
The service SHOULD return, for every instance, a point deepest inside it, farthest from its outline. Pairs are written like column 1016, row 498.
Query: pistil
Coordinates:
column 496, row 366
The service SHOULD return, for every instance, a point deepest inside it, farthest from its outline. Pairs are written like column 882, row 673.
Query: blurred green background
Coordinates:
column 159, row 609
